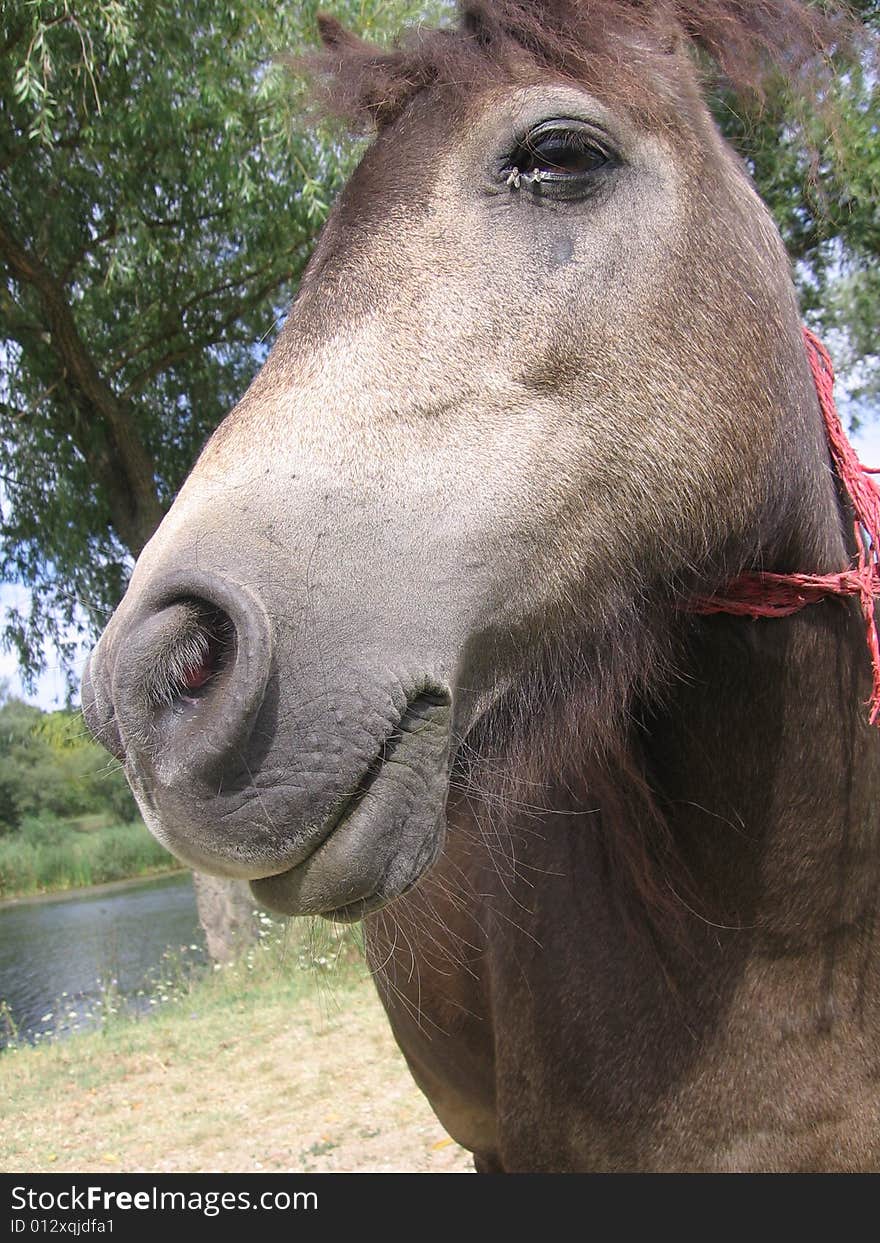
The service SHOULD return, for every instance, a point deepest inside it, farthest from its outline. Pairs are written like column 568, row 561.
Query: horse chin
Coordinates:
column 376, row 853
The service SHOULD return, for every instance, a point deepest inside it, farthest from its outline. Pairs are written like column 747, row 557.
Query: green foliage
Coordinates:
column 42, row 830
column 159, row 196
column 17, row 720
column 816, row 163
column 47, row 855
column 50, row 767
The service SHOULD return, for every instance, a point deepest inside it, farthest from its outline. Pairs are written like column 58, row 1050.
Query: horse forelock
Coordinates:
column 622, row 50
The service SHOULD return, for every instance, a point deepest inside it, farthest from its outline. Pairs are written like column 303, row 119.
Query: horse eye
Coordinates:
column 555, row 155
column 563, row 153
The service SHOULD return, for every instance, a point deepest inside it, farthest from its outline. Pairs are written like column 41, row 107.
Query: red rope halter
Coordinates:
column 755, row 594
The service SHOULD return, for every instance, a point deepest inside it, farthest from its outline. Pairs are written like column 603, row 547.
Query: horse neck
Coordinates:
column 769, row 775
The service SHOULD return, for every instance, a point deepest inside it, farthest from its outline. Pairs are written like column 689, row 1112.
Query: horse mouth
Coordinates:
column 385, row 835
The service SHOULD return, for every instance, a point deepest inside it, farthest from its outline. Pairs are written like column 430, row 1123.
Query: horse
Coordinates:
column 417, row 642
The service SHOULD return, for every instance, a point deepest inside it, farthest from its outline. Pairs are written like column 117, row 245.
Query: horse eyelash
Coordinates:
column 515, row 178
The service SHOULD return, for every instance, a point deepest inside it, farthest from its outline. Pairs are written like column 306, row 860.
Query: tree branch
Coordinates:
column 128, row 475
column 203, row 296
column 202, row 342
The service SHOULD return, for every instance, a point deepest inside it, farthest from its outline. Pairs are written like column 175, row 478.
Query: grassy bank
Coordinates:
column 283, row 1061
column 48, row 855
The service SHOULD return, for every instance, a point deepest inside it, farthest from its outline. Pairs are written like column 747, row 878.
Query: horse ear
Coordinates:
column 475, row 23
column 334, row 35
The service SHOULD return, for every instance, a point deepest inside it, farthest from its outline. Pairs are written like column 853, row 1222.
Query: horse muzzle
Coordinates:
column 326, row 792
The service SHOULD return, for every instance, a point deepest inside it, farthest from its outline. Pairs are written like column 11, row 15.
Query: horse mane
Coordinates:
column 619, row 47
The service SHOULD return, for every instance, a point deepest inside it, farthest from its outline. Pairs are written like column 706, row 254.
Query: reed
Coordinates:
column 46, row 856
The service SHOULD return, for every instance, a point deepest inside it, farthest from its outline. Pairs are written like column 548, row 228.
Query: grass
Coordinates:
column 281, row 1061
column 71, row 855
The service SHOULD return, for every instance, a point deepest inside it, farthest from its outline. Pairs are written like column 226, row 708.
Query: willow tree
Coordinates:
column 159, row 197
column 818, row 169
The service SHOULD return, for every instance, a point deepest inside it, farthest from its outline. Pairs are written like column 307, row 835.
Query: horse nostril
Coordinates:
column 195, row 655
column 185, row 675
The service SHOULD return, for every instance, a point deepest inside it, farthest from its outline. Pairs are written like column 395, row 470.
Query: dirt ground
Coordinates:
column 318, row 1087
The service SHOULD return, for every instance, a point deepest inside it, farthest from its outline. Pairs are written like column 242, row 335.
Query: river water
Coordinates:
column 62, row 960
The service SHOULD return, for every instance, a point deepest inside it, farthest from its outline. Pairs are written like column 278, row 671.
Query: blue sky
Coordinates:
column 51, row 686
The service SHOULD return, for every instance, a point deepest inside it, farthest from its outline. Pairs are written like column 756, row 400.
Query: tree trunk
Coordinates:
column 123, row 465
column 226, row 913
column 124, row 468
